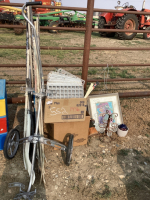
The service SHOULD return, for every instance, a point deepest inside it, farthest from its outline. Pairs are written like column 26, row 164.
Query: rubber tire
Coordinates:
column 32, row 133
column 120, row 25
column 69, row 150
column 19, row 31
column 55, row 24
column 6, row 144
column 111, row 34
column 101, row 25
column 145, row 34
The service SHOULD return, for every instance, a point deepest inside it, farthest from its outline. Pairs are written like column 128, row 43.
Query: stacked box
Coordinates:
column 3, row 113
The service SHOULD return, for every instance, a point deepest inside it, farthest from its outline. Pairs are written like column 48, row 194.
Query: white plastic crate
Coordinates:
column 62, row 84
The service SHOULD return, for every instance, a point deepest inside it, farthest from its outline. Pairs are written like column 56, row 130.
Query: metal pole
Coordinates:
column 87, row 40
column 21, row 100
column 77, row 65
column 80, row 48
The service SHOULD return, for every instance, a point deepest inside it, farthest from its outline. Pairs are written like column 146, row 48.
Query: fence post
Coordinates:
column 87, row 40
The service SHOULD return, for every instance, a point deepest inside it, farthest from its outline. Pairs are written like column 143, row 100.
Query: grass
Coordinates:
column 112, row 72
column 13, row 54
column 60, row 54
column 124, row 74
column 92, row 71
column 147, row 70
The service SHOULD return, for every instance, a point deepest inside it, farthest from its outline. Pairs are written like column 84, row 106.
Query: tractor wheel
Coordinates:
column 19, row 31
column 129, row 22
column 53, row 24
column 146, row 35
column 110, row 34
column 101, row 25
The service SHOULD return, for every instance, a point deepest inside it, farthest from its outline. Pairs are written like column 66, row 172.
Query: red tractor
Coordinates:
column 125, row 21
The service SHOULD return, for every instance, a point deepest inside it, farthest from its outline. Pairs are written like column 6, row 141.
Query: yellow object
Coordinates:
column 11, row 9
column 2, row 108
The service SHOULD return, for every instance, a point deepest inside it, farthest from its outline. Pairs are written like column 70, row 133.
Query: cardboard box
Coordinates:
column 60, row 131
column 65, row 110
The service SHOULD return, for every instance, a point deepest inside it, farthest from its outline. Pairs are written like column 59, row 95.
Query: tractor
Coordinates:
column 125, row 21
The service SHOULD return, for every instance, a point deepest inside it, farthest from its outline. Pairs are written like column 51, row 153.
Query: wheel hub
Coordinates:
column 129, row 25
column 148, row 35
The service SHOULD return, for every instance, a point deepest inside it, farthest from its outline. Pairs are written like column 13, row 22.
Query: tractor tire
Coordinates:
column 130, row 22
column 53, row 24
column 146, row 35
column 19, row 31
column 111, row 34
column 101, row 25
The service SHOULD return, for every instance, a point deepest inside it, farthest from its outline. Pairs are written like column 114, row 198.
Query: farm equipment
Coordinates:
column 125, row 21
column 61, row 19
column 8, row 15
column 33, row 140
column 47, row 17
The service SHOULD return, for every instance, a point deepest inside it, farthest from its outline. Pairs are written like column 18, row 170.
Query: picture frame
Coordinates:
column 97, row 105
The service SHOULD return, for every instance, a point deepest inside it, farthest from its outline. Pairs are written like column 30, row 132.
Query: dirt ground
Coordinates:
column 106, row 168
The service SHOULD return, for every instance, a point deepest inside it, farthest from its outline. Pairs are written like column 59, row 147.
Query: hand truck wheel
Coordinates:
column 11, row 144
column 69, row 150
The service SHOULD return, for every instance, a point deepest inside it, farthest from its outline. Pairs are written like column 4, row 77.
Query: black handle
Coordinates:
column 37, row 3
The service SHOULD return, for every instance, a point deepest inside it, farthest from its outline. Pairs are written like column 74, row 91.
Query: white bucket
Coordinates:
column 122, row 133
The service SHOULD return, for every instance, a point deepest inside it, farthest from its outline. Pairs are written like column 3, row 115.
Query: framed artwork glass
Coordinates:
column 99, row 104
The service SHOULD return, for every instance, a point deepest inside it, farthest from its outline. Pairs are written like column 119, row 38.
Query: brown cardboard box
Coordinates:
column 65, row 110
column 80, row 130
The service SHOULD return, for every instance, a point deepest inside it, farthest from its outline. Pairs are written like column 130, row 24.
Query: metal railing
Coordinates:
column 87, row 41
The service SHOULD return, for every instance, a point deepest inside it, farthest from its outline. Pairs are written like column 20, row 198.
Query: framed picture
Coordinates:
column 99, row 104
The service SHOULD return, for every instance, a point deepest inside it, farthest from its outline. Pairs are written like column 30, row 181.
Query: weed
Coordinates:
column 124, row 152
column 112, row 72
column 93, row 180
column 93, row 45
column 147, row 70
column 92, row 71
column 146, row 181
column 79, row 73
column 105, row 194
column 137, row 157
column 137, row 152
column 135, row 184
column 147, row 135
column 125, row 106
column 134, row 69
column 124, row 74
column 139, row 171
